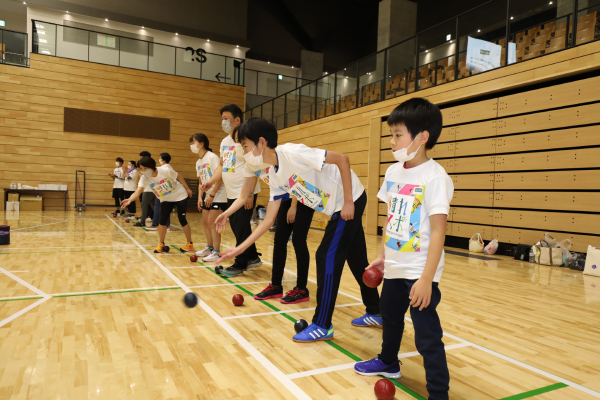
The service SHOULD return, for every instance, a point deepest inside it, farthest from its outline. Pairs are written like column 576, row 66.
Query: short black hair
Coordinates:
column 235, row 111
column 166, row 157
column 145, row 154
column 418, row 115
column 147, row 162
column 119, row 159
column 133, row 163
column 255, row 128
column 201, row 138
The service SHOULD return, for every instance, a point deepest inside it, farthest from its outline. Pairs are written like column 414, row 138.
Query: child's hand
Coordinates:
column 220, row 223
column 347, row 212
column 291, row 215
column 189, row 193
column 229, row 254
column 199, row 203
column 209, row 200
column 377, row 263
column 420, row 294
column 207, row 185
column 125, row 203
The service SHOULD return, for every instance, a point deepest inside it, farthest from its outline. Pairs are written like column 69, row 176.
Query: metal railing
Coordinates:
column 13, row 48
column 493, row 35
column 86, row 45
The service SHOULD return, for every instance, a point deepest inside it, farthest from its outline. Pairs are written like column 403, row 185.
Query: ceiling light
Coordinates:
column 268, row 62
column 142, row 27
column 550, row 3
column 478, row 30
column 426, row 51
column 176, row 34
column 106, row 19
column 24, row 3
column 326, row 73
column 292, row 66
column 237, row 45
column 208, row 40
column 511, row 17
column 67, row 12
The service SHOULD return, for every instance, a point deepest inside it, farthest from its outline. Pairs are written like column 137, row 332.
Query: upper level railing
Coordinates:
column 468, row 44
column 13, row 48
column 85, row 45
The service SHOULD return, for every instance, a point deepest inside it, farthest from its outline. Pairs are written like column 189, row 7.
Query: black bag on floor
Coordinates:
column 522, row 252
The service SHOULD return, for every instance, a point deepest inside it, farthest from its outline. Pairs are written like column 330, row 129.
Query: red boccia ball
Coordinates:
column 384, row 389
column 372, row 277
column 193, row 258
column 238, row 300
column 127, row 220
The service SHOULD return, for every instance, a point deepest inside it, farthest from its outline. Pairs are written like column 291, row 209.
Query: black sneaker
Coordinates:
column 138, row 224
column 234, row 270
column 271, row 292
column 296, row 296
column 254, row 263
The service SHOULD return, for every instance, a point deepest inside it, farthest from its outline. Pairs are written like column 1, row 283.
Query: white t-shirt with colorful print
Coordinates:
column 232, row 157
column 302, row 173
column 205, row 168
column 164, row 186
column 412, row 195
column 119, row 181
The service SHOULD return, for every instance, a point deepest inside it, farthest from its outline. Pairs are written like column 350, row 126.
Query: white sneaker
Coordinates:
column 214, row 256
column 204, row 252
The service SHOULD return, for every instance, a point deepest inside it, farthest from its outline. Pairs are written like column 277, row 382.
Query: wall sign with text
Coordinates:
column 197, row 55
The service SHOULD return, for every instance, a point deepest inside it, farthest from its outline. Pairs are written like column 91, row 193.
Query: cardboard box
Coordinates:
column 31, row 203
column 13, row 197
column 12, row 205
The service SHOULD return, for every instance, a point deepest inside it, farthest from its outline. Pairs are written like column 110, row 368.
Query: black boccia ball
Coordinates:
column 190, row 299
column 300, row 325
column 219, row 269
column 166, row 249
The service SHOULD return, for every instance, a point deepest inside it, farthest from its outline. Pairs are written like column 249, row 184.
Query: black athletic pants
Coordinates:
column 166, row 208
column 428, row 333
column 343, row 241
column 300, row 227
column 240, row 225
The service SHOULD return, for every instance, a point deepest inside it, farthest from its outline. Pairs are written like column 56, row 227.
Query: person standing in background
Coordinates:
column 164, row 160
column 118, row 177
column 148, row 198
column 131, row 181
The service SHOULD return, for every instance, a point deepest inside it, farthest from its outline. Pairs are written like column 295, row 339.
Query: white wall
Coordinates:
column 278, row 69
column 57, row 17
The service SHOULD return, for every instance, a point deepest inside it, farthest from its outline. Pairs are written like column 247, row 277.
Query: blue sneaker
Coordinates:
column 368, row 320
column 376, row 367
column 313, row 333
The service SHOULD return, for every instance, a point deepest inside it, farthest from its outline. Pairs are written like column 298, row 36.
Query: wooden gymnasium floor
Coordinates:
column 87, row 311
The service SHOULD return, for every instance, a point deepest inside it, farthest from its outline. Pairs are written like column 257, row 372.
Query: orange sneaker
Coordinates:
column 160, row 248
column 188, row 247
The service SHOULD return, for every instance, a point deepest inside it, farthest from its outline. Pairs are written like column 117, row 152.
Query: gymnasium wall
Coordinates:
column 35, row 149
column 522, row 164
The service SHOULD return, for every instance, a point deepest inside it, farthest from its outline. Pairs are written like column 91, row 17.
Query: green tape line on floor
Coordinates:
column 118, row 292
column 536, row 392
column 24, row 298
column 329, row 342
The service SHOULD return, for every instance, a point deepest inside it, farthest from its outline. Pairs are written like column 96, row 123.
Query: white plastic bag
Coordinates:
column 476, row 244
column 491, row 248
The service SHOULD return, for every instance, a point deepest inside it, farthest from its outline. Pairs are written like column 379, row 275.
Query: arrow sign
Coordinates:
column 222, row 77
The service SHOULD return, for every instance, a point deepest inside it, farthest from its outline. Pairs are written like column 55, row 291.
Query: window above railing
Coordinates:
column 13, row 48
column 102, row 48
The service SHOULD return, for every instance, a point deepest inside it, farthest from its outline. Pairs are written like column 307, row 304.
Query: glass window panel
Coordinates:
column 44, row 38
column 267, row 110
column 434, row 46
column 401, row 69
column 279, row 112
column 251, row 82
column 72, row 43
column 134, row 53
column 587, row 21
column 104, row 49
column 15, row 48
column 214, row 65
column 235, row 71
column 307, row 102
column 257, row 112
column 345, row 98
column 267, row 84
column 370, row 74
column 285, row 84
column 162, row 59
column 186, row 64
column 291, row 108
column 325, row 96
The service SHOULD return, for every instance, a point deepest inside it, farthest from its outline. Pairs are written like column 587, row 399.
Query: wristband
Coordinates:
column 250, row 195
column 210, row 194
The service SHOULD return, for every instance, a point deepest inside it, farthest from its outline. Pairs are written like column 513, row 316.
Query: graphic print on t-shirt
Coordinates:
column 119, row 173
column 229, row 159
column 404, row 216
column 162, row 188
column 205, row 172
column 308, row 194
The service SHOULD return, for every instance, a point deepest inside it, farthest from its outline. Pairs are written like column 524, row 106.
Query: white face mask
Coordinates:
column 402, row 154
column 161, row 162
column 147, row 173
column 255, row 162
column 117, row 164
column 194, row 147
column 226, row 125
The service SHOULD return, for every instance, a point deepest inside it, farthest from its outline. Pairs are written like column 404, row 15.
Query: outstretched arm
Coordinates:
column 343, row 163
column 133, row 197
column 247, row 187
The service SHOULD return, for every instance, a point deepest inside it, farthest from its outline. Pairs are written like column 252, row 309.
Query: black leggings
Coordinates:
column 131, row 206
column 166, row 208
column 300, row 228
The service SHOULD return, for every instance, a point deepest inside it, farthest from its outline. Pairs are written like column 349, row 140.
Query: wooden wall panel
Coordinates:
column 35, row 149
column 551, row 180
column 470, row 112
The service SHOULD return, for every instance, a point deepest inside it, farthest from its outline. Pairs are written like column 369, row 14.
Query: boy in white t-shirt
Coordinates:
column 231, row 171
column 172, row 191
column 417, row 192
column 118, row 176
column 321, row 180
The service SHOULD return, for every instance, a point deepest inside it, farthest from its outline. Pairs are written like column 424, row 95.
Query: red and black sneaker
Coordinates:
column 296, row 296
column 270, row 292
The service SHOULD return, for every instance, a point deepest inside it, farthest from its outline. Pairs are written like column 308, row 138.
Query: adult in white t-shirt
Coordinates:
column 172, row 191
column 212, row 202
column 231, row 171
column 147, row 200
column 324, row 181
column 164, row 160
column 118, row 176
column 131, row 182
